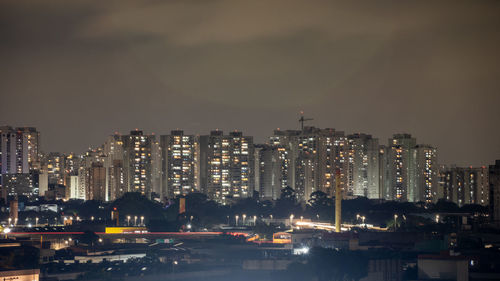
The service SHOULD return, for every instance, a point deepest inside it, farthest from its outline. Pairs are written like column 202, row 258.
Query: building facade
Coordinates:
column 465, row 185
column 137, row 161
column 363, row 166
column 179, row 164
column 226, row 165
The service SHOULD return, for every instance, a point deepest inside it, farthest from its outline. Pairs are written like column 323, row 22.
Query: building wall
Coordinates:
column 401, row 168
column 97, row 182
column 427, row 174
column 494, row 182
column 227, row 163
column 465, row 185
column 179, row 164
column 137, row 162
column 364, row 165
column 449, row 269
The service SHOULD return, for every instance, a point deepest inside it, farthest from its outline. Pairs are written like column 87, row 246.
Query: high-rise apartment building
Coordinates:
column 156, row 172
column 226, row 165
column 73, row 187
column 19, row 162
column 19, row 150
column 465, row 185
column 427, row 171
column 137, row 161
column 401, row 170
column 117, row 182
column 54, row 164
column 494, row 183
column 92, row 183
column 274, row 171
column 97, row 182
column 180, row 164
column 315, row 156
column 363, row 166
column 8, row 150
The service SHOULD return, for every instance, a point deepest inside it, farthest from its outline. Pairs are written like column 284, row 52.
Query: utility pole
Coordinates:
column 338, row 201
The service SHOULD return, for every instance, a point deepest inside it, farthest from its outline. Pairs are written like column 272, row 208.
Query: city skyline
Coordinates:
column 82, row 70
column 259, row 140
column 249, row 140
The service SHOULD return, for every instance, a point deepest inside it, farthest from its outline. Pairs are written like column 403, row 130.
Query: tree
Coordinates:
column 289, row 194
column 287, row 203
column 318, row 199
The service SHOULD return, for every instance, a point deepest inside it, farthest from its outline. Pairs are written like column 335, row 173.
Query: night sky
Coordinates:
column 80, row 70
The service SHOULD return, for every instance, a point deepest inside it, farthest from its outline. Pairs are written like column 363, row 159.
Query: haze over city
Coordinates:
column 81, row 70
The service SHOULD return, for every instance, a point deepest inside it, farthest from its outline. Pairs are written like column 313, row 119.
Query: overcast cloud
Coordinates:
column 80, row 70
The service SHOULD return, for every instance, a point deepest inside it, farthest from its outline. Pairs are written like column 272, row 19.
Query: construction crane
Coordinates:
column 302, row 120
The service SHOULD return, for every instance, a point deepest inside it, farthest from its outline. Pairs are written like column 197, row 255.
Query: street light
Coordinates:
column 142, row 220
column 128, row 220
column 36, row 221
column 244, row 217
column 395, row 222
column 291, row 220
column 92, row 218
column 254, row 220
column 437, row 218
column 135, row 220
column 363, row 219
column 10, row 220
column 236, row 219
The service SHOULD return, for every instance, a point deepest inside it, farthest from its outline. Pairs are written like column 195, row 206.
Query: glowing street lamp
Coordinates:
column 363, row 219
column 92, row 218
column 36, row 221
column 128, row 220
column 135, row 220
column 10, row 220
column 254, row 220
column 244, row 217
column 437, row 218
column 291, row 220
column 236, row 219
column 142, row 220
column 395, row 221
